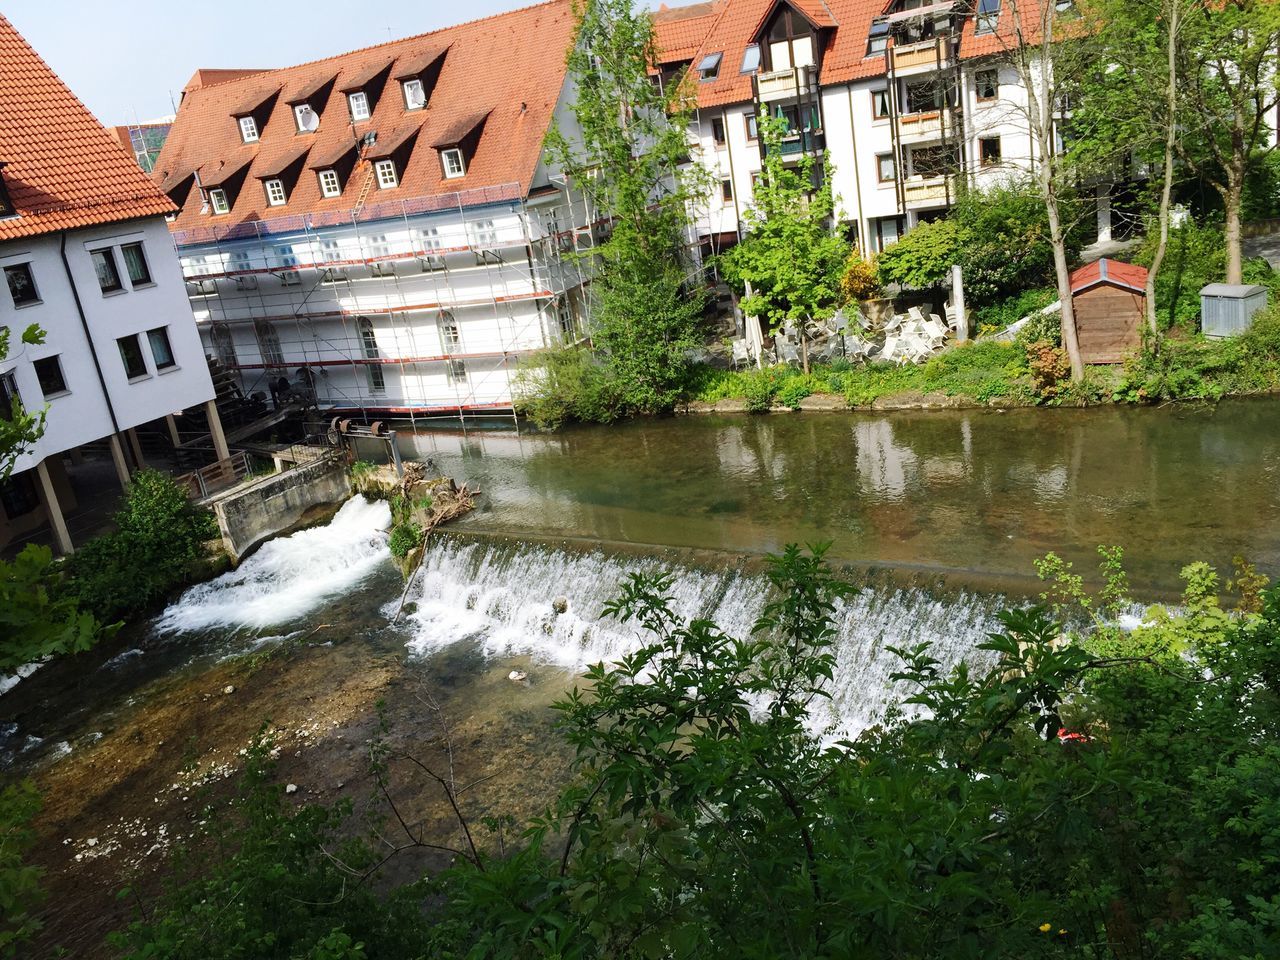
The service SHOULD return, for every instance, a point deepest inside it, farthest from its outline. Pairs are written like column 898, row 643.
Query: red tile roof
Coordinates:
column 510, row 67
column 63, row 169
column 1113, row 272
column 678, row 31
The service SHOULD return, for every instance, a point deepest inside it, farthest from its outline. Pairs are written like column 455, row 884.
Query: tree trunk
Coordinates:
column 1166, row 193
column 804, row 349
column 1062, row 273
column 1232, row 198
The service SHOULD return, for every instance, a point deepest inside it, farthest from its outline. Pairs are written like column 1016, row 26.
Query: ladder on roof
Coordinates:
column 364, row 190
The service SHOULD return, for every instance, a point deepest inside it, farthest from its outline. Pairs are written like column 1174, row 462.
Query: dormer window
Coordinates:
column 6, row 204
column 330, row 185
column 307, row 120
column 879, row 39
column 415, row 94
column 386, row 173
column 988, row 16
column 358, row 104
column 709, row 68
column 751, row 58
column 218, row 201
column 248, row 130
column 276, row 195
column 454, row 164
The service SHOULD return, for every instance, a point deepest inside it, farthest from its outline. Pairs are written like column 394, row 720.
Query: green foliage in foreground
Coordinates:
column 19, row 882
column 37, row 618
column 156, row 547
column 405, row 536
column 1107, row 794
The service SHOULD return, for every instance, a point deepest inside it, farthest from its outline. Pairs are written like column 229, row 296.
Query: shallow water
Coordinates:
column 958, row 492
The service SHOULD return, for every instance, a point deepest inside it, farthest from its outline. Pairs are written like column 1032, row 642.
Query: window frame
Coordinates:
column 880, row 159
column 24, row 268
column 379, row 169
column 986, row 162
column 404, row 93
column 218, row 198
column 987, row 20
column 709, row 67
column 322, row 176
column 719, row 135
column 993, row 72
column 450, row 333
column 163, row 333
column 299, row 111
column 278, row 198
column 456, row 153
column 351, row 106
column 57, row 367
column 876, row 95
column 249, row 132
column 369, row 350
column 106, row 255
column 726, row 191
column 136, row 341
column 146, row 279
column 751, row 124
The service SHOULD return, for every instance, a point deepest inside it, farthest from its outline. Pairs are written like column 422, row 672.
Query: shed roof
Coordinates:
column 1235, row 291
column 1127, row 276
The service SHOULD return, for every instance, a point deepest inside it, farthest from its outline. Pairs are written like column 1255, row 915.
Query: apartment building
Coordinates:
column 382, row 229
column 86, row 256
column 905, row 99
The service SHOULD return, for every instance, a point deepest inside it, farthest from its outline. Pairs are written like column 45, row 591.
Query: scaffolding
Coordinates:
column 465, row 283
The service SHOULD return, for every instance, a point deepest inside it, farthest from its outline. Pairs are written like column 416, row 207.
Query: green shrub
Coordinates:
column 361, row 469
column 562, row 384
column 157, row 546
column 405, row 536
column 923, row 257
column 20, row 889
column 1000, row 315
column 758, row 388
column 793, row 390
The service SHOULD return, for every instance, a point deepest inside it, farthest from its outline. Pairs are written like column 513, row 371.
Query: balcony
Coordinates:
column 784, row 84
column 802, row 142
column 920, row 57
column 920, row 127
column 923, row 194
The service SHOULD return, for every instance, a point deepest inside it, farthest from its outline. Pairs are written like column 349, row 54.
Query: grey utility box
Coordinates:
column 1227, row 309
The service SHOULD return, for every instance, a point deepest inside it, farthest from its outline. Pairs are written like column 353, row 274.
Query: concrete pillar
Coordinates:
column 77, row 457
column 1104, row 213
column 215, row 429
column 117, row 457
column 54, row 510
column 172, row 424
column 957, row 301
column 136, row 447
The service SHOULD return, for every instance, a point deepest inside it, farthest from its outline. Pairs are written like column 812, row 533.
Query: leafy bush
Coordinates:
column 20, row 889
column 38, row 618
column 1000, row 315
column 568, row 383
column 923, row 257
column 405, row 537
column 859, row 281
column 157, row 546
column 1050, row 368
column 361, row 469
column 793, row 390
column 758, row 388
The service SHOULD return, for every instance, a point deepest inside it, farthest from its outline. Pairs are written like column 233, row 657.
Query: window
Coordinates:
column 330, row 186
column 386, row 171
column 369, row 347
column 135, row 264
column 939, row 161
column 888, row 229
column 275, row 192
column 717, row 130
column 878, row 40
column 131, row 356
column 709, row 67
column 753, row 129
column 285, row 256
column 306, row 118
column 454, row 166
column 269, row 343
column 223, row 344
column 218, row 200
column 726, row 191
column 104, row 265
column 22, row 285
column 415, row 95
column 18, row 495
column 330, row 251
column 358, row 103
column 886, row 169
column 456, row 371
column 989, row 151
column 49, row 373
column 248, row 129
column 10, row 400
column 987, row 84
column 988, row 16
column 450, row 334
column 161, row 351
column 880, row 104
column 751, row 58
column 482, row 233
column 925, row 96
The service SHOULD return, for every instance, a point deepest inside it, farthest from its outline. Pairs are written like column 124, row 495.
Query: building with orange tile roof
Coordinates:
column 384, row 223
column 87, row 258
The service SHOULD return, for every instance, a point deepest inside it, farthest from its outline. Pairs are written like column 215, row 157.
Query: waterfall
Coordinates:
column 499, row 597
column 290, row 576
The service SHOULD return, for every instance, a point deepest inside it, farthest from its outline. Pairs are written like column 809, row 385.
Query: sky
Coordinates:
column 127, row 60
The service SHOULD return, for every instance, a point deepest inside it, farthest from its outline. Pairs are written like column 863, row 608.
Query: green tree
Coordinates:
column 19, row 428
column 924, row 256
column 626, row 159
column 791, row 261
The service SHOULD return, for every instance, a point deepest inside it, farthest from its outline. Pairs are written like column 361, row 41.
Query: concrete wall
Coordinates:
column 249, row 515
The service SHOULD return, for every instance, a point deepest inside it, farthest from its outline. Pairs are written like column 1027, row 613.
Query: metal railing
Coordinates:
column 217, row 476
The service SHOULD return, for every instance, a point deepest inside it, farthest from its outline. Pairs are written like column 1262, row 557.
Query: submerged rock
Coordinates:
column 560, row 605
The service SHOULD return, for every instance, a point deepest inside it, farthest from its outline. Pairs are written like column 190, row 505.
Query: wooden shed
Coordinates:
column 1110, row 303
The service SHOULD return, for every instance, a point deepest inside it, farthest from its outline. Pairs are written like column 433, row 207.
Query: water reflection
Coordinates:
column 958, row 491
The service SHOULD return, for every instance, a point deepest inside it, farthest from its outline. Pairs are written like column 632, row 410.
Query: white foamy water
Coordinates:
column 500, row 598
column 288, row 577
